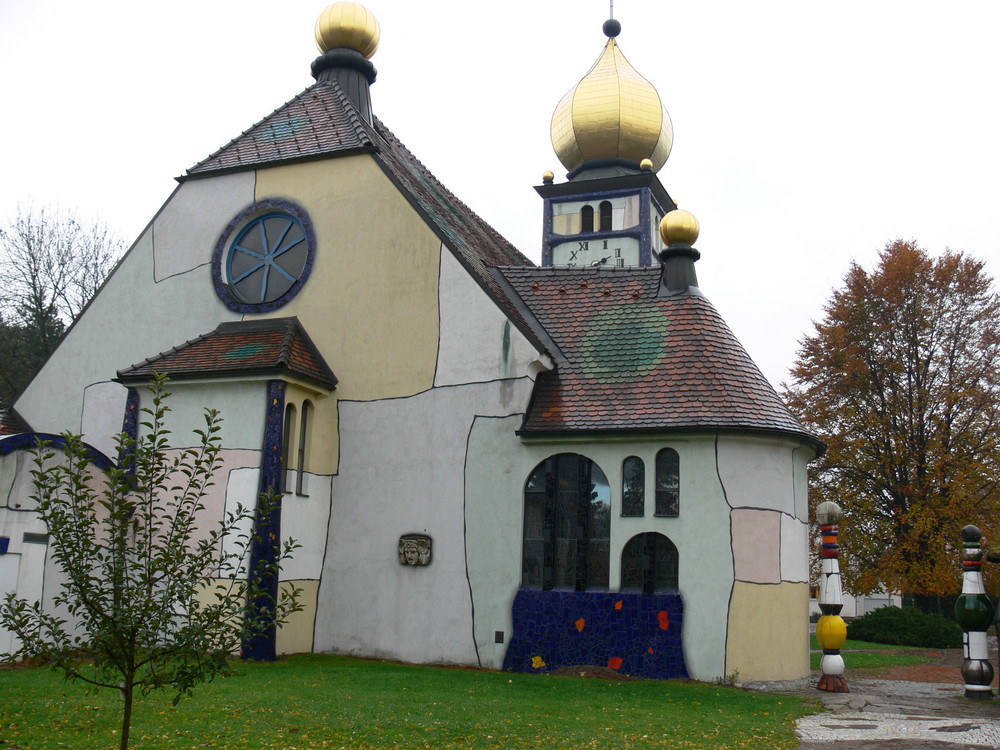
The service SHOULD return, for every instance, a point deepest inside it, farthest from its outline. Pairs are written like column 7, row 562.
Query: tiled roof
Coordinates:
column 319, row 121
column 11, row 422
column 476, row 244
column 636, row 361
column 251, row 347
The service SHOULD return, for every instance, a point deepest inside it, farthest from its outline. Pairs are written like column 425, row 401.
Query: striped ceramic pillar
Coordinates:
column 831, row 630
column 974, row 612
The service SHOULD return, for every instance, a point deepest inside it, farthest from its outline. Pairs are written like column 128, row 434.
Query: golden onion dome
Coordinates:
column 347, row 24
column 679, row 227
column 612, row 113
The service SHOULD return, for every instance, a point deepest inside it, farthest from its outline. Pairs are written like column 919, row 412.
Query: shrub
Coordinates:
column 906, row 627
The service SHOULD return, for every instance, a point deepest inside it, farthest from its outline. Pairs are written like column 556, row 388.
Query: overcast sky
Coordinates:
column 807, row 134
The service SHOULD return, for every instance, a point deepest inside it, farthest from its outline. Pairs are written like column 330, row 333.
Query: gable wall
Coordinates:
column 472, row 332
column 139, row 312
column 370, row 304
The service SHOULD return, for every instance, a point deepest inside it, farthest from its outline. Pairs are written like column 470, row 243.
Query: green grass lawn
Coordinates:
column 866, row 655
column 317, row 701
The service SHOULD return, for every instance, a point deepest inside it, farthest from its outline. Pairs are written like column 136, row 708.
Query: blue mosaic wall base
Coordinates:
column 634, row 633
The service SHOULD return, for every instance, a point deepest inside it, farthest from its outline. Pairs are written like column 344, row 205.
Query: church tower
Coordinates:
column 612, row 134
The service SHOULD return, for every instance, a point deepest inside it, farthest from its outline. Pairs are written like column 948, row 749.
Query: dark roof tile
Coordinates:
column 317, row 122
column 638, row 361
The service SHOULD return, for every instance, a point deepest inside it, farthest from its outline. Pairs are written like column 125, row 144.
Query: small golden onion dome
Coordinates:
column 350, row 25
column 612, row 113
column 679, row 227
column 646, row 165
column 548, row 176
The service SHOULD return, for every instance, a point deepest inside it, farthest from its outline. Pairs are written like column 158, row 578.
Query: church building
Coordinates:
column 485, row 462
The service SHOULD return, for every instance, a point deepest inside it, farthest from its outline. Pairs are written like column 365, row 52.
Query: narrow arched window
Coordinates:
column 605, row 216
column 505, row 351
column 633, row 487
column 304, row 440
column 668, row 483
column 287, row 436
column 567, row 525
column 649, row 564
column 587, row 219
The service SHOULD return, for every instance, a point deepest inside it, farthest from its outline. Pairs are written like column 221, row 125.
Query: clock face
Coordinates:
column 264, row 256
column 616, row 252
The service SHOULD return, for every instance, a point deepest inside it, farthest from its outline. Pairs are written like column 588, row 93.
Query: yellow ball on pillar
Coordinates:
column 831, row 632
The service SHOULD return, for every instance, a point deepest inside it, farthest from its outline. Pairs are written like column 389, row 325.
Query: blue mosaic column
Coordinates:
column 266, row 541
column 130, row 426
column 974, row 612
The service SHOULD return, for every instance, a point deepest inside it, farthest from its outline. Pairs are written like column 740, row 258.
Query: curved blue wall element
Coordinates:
column 30, row 440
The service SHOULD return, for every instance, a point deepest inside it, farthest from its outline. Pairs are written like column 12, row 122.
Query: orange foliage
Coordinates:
column 900, row 379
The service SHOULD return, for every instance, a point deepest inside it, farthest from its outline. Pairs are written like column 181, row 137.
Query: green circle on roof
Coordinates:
column 623, row 342
column 244, row 352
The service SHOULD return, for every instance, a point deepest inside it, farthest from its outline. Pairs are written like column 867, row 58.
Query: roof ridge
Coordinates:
column 481, row 222
column 361, row 127
column 287, row 341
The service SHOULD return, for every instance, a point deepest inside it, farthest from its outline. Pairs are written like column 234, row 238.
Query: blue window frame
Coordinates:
column 264, row 256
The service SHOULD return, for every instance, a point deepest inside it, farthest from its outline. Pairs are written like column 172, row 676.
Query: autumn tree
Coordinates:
column 154, row 590
column 901, row 379
column 51, row 264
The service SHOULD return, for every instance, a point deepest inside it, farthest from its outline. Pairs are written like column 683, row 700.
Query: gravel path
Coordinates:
column 920, row 706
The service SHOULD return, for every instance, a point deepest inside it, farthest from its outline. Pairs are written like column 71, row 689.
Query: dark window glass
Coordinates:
column 288, row 431
column 605, row 216
column 567, row 525
column 303, row 445
column 587, row 219
column 668, row 483
column 267, row 257
column 633, row 487
column 649, row 564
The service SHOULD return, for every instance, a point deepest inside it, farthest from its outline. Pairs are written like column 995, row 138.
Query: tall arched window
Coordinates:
column 633, row 487
column 668, row 483
column 605, row 216
column 587, row 219
column 649, row 564
column 567, row 525
column 303, row 445
column 287, row 436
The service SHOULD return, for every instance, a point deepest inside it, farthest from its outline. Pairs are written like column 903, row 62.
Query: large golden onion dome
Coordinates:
column 347, row 24
column 612, row 115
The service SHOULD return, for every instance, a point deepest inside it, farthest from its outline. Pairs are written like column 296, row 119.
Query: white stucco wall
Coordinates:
column 133, row 318
column 241, row 404
column 472, row 327
column 8, row 585
column 306, row 519
column 794, row 549
column 402, row 470
column 496, row 470
column 103, row 415
column 188, row 226
column 758, row 472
